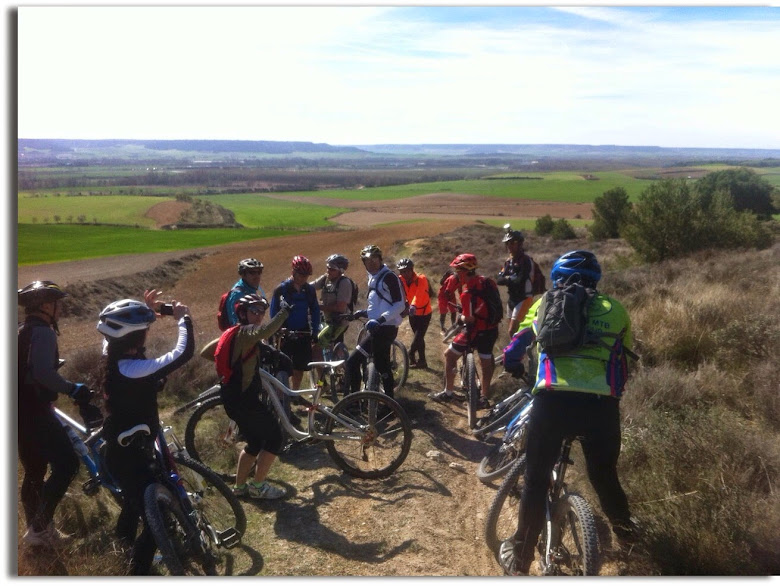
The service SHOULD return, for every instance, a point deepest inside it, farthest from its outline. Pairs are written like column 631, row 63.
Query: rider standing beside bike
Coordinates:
column 304, row 319
column 449, row 293
column 385, row 305
column 478, row 333
column 250, row 271
column 131, row 382
column 42, row 439
column 418, row 295
column 335, row 299
column 516, row 275
column 575, row 395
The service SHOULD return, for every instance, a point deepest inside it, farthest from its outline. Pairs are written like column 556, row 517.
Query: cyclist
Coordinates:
column 516, row 275
column 478, row 333
column 131, row 382
column 385, row 305
column 304, row 317
column 448, row 298
column 43, row 442
column 575, row 395
column 336, row 297
column 241, row 393
column 250, row 271
column 418, row 295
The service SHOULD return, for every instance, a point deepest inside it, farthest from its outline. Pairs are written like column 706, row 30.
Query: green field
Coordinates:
column 39, row 244
column 258, row 211
column 105, row 209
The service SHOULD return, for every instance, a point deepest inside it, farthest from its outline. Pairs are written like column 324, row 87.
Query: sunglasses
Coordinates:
column 256, row 310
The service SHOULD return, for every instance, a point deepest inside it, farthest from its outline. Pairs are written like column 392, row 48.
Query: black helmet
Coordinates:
column 251, row 299
column 249, row 263
column 404, row 263
column 370, row 250
column 338, row 261
column 582, row 262
column 39, row 292
column 512, row 235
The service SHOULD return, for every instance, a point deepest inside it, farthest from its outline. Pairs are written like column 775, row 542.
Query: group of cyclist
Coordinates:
column 130, row 381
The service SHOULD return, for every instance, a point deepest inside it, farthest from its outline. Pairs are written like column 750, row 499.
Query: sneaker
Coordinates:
column 483, row 403
column 264, row 491
column 508, row 560
column 442, row 397
column 240, row 490
column 50, row 537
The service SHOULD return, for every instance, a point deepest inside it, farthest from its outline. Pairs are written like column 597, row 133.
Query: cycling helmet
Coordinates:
column 124, row 317
column 512, row 235
column 251, row 299
column 39, row 292
column 301, row 265
column 370, row 250
column 338, row 261
column 404, row 263
column 249, row 263
column 464, row 261
column 582, row 262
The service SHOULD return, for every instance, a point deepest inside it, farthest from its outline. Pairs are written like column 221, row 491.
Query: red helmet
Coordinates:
column 301, row 264
column 464, row 261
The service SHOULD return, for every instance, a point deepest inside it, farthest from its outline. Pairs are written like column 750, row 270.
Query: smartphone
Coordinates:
column 166, row 309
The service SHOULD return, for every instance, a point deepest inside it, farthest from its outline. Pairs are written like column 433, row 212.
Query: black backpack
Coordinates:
column 488, row 291
column 563, row 327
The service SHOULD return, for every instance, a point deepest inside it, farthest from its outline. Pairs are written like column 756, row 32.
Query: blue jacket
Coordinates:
column 305, row 313
column 240, row 289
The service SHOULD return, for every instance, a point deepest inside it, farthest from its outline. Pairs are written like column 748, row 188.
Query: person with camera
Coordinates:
column 131, row 382
column 43, row 442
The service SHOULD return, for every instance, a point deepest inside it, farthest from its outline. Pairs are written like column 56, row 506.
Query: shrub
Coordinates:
column 747, row 190
column 609, row 212
column 544, row 225
column 562, row 230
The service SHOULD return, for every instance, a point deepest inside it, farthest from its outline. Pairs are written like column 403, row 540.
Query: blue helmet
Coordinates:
column 582, row 262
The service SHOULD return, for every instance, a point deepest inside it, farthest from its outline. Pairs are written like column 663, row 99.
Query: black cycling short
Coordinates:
column 298, row 348
column 258, row 426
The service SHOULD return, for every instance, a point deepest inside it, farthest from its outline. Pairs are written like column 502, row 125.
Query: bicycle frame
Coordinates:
column 314, row 406
column 554, row 494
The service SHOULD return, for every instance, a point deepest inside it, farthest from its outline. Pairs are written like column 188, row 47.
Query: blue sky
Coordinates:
column 666, row 76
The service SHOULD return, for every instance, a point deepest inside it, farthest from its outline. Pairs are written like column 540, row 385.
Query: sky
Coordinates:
column 670, row 76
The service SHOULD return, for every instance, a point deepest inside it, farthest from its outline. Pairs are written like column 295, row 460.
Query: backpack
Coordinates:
column 563, row 326
column 222, row 316
column 488, row 291
column 224, row 352
column 353, row 301
column 447, row 274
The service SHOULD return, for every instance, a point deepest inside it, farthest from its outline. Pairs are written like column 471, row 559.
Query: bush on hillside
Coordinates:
column 747, row 190
column 544, row 225
column 609, row 213
column 562, row 230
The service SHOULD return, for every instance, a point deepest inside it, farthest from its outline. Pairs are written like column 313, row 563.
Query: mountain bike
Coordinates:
column 568, row 544
column 512, row 446
column 496, row 420
column 367, row 434
column 468, row 376
column 336, row 350
column 191, row 512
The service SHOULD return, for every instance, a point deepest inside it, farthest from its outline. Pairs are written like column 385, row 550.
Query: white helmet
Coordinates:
column 124, row 317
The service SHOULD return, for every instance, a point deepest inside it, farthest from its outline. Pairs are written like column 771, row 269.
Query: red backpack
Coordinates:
column 224, row 353
column 222, row 317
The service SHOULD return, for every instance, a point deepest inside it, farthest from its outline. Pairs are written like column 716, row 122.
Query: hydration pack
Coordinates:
column 563, row 326
column 222, row 316
column 488, row 291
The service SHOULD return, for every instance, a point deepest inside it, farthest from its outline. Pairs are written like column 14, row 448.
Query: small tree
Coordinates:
column 562, row 230
column 544, row 225
column 609, row 213
column 57, row 219
column 748, row 190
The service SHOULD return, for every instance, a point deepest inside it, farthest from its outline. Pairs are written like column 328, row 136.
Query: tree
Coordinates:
column 609, row 213
column 562, row 230
column 748, row 190
column 544, row 225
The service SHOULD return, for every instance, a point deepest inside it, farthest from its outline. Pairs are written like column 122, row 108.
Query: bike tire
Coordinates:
column 472, row 390
column 382, row 445
column 177, row 537
column 497, row 462
column 208, row 439
column 502, row 517
column 576, row 540
column 399, row 363
column 215, row 500
column 371, row 382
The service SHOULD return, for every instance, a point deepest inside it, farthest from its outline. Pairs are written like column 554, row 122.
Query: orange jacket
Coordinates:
column 418, row 293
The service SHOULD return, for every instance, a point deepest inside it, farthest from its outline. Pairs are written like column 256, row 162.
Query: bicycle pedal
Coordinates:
column 91, row 487
column 229, row 538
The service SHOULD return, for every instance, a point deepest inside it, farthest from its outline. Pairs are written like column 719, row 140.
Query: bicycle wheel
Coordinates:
column 575, row 542
column 211, row 438
column 220, row 509
column 371, row 380
column 471, row 389
column 498, row 461
column 399, row 364
column 379, row 435
column 180, row 543
column 502, row 518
